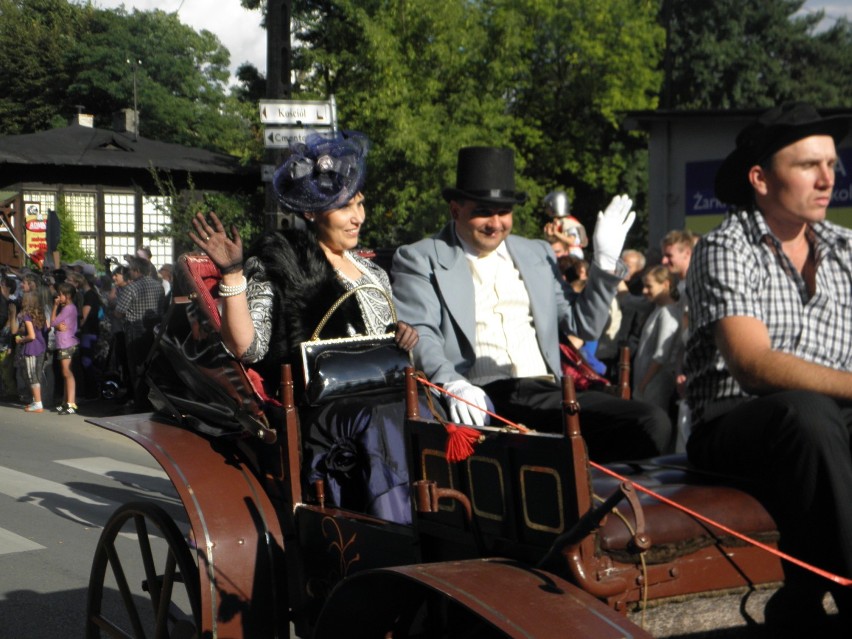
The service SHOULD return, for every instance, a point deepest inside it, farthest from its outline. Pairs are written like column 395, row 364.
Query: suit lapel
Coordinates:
column 455, row 282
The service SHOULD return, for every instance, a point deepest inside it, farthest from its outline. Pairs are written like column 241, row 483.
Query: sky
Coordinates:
column 240, row 31
column 237, row 28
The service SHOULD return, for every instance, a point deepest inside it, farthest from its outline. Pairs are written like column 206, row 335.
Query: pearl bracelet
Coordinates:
column 231, row 291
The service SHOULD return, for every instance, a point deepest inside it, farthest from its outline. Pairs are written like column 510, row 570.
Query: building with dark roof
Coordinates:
column 105, row 180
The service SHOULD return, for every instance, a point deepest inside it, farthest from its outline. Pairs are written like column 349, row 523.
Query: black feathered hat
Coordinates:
column 771, row 132
column 322, row 173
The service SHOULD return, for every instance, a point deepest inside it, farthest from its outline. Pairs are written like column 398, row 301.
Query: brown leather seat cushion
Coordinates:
column 672, row 531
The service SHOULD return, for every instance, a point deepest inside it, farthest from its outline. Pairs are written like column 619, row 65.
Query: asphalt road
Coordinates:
column 61, row 479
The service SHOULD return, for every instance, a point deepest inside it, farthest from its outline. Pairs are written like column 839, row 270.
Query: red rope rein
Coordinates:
column 843, row 581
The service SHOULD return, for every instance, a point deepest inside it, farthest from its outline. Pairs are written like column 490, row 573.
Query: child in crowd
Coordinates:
column 63, row 318
column 32, row 338
column 653, row 373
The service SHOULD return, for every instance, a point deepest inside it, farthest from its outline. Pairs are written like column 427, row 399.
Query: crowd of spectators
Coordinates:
column 96, row 326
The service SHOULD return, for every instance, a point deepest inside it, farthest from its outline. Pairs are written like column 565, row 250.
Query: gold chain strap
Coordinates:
column 345, row 297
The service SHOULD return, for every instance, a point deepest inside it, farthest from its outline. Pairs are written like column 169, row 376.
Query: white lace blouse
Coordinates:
column 374, row 307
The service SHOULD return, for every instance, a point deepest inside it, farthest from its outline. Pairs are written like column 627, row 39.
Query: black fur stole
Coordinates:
column 305, row 286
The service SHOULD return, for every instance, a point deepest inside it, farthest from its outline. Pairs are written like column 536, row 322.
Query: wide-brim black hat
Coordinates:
column 485, row 174
column 771, row 132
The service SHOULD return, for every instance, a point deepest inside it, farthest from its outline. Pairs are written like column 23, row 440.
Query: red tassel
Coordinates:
column 460, row 440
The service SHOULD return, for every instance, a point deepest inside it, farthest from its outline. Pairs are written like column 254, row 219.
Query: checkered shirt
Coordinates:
column 141, row 305
column 739, row 269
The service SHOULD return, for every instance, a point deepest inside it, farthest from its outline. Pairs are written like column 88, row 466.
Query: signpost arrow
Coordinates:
column 305, row 113
column 280, row 138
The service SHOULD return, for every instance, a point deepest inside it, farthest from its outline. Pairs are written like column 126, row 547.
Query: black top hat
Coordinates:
column 485, row 174
column 760, row 140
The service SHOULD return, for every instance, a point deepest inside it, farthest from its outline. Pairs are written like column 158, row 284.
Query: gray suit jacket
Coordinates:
column 433, row 291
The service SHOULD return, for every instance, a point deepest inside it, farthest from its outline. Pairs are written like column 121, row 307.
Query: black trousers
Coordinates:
column 796, row 446
column 614, row 429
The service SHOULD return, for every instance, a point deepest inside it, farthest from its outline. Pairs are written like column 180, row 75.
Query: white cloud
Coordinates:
column 237, row 28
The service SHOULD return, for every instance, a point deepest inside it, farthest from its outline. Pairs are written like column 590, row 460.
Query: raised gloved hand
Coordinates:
column 462, row 413
column 611, row 231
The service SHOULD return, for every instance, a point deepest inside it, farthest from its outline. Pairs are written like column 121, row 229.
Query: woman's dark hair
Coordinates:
column 67, row 290
column 10, row 283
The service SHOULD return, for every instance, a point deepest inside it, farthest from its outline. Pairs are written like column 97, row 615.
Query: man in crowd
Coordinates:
column 769, row 359
column 490, row 306
column 140, row 307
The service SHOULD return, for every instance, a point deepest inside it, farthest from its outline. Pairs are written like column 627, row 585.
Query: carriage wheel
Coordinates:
column 144, row 581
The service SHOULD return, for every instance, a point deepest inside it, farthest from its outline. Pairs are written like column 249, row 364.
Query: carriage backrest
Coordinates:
column 193, row 378
column 523, row 488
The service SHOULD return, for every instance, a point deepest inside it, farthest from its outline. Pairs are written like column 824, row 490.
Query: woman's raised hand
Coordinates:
column 406, row 336
column 210, row 236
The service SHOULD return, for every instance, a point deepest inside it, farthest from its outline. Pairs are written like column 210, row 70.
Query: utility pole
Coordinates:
column 278, row 86
column 135, row 64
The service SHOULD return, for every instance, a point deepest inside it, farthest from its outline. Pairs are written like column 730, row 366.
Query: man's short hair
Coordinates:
column 681, row 237
column 137, row 264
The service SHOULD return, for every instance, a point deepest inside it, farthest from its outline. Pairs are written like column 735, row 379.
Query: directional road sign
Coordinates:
column 280, row 137
column 305, row 113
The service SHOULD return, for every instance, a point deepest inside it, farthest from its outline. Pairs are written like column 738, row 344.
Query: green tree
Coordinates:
column 240, row 209
column 69, row 247
column 423, row 78
column 36, row 35
column 589, row 62
column 61, row 56
column 728, row 54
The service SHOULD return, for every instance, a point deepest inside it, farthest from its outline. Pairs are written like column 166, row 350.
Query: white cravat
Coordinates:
column 506, row 344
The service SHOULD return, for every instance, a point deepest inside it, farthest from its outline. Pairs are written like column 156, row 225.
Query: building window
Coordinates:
column 156, row 221
column 45, row 199
column 81, row 209
column 119, row 213
column 117, row 246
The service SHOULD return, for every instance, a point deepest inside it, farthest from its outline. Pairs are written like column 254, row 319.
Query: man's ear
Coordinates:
column 757, row 179
column 455, row 208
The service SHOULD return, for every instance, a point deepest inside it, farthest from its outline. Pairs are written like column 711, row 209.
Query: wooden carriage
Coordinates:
column 507, row 543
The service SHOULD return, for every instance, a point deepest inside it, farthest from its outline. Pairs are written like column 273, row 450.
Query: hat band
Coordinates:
column 493, row 194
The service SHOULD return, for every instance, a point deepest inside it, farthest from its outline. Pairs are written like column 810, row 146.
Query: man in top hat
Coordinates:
column 489, row 307
column 769, row 359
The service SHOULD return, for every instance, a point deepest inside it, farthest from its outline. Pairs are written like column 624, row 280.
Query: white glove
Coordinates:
column 611, row 231
column 461, row 413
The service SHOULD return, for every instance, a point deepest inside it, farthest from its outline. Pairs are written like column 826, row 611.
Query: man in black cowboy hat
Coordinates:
column 489, row 307
column 769, row 360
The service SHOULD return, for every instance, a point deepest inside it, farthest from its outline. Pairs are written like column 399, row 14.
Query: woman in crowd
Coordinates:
column 653, row 373
column 274, row 301
column 63, row 318
column 32, row 337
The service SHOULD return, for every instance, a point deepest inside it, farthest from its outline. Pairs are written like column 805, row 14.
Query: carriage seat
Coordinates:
column 723, row 499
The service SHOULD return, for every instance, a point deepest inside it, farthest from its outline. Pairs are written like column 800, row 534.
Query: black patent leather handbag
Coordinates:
column 352, row 366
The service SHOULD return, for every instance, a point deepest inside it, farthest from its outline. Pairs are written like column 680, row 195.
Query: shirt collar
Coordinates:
column 759, row 231
column 472, row 255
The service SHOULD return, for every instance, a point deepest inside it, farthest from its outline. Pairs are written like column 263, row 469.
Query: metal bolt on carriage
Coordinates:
column 510, row 542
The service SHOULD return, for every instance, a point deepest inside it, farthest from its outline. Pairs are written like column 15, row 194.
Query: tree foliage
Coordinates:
column 233, row 209
column 550, row 78
column 62, row 57
column 728, row 54
column 423, row 79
